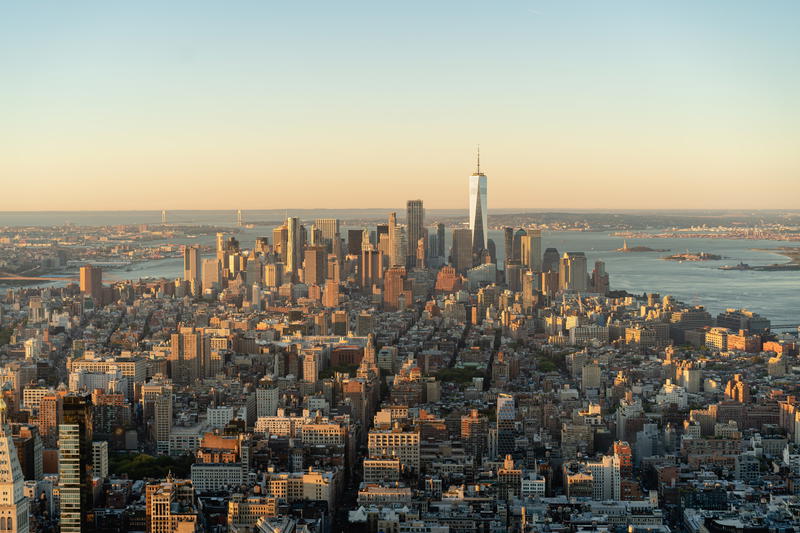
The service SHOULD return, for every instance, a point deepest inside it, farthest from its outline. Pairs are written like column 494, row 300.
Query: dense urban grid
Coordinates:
column 377, row 379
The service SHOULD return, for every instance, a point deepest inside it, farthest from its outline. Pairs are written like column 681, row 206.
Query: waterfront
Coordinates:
column 773, row 294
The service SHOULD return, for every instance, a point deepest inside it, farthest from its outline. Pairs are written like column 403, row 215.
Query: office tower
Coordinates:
column 280, row 238
column 187, row 351
column 51, row 414
column 192, row 269
column 13, row 502
column 461, row 252
column 422, row 252
column 273, row 275
column 550, row 260
column 508, row 244
column 162, row 419
column 415, row 221
column 354, row 241
column 221, row 246
column 599, row 278
column 100, row 458
column 440, row 244
column 370, row 267
column 478, row 209
column 239, row 218
column 572, row 274
column 396, row 293
column 315, row 236
column 294, row 245
column 211, row 274
column 394, row 245
column 506, row 422
column 517, row 254
column 163, row 216
column 492, row 252
column 329, row 228
column 254, row 270
column 531, row 250
column 170, row 506
column 91, row 279
column 75, row 464
column 530, row 293
column 315, row 265
column 30, row 451
column 474, row 429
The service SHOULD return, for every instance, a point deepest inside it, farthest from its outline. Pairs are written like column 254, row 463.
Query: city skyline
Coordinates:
column 614, row 102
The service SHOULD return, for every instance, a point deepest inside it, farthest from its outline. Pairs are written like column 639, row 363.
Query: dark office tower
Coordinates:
column 192, row 268
column 185, row 359
column 415, row 220
column 280, row 239
column 599, row 278
column 92, row 283
column 440, row 240
column 75, row 464
column 492, row 249
column 508, row 244
column 518, row 235
column 315, row 265
column 336, row 246
column 381, row 229
column 514, row 276
column 354, row 241
column 550, row 260
column 293, row 245
column 461, row 252
column 506, row 424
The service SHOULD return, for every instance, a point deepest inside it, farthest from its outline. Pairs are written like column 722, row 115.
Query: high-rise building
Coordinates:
column 75, row 464
column 508, row 244
column 415, row 221
column 600, row 278
column 506, row 424
column 440, row 245
column 211, row 274
column 189, row 347
column 315, row 265
column 478, row 209
column 550, row 260
column 162, row 419
column 294, row 245
column 171, row 507
column 572, row 274
column 91, row 279
column 354, row 241
column 531, row 250
column 461, row 252
column 100, row 458
column 371, row 266
column 192, row 269
column 280, row 242
column 13, row 502
column 329, row 228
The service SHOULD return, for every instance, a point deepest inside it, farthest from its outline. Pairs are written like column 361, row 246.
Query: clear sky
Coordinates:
column 234, row 104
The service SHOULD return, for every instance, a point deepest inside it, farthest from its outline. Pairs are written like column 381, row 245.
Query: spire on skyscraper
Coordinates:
column 478, row 171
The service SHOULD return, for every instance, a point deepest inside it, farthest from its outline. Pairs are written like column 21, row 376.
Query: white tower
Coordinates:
column 478, row 209
column 13, row 503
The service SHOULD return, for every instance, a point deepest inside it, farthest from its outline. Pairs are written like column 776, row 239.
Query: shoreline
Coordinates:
column 790, row 252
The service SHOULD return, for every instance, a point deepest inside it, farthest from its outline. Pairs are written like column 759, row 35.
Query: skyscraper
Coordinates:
column 531, row 249
column 315, row 265
column 550, row 260
column 75, row 464
column 415, row 220
column 461, row 252
column 508, row 244
column 440, row 247
column 478, row 209
column 192, row 269
column 293, row 245
column 13, row 502
column 572, row 274
column 329, row 227
column 506, row 422
column 91, row 278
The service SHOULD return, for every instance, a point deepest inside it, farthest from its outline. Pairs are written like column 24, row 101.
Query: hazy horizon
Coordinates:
column 254, row 105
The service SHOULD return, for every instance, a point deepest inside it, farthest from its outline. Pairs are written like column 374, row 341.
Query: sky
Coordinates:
column 338, row 104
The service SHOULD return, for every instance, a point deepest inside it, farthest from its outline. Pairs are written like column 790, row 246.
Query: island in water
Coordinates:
column 692, row 256
column 631, row 249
